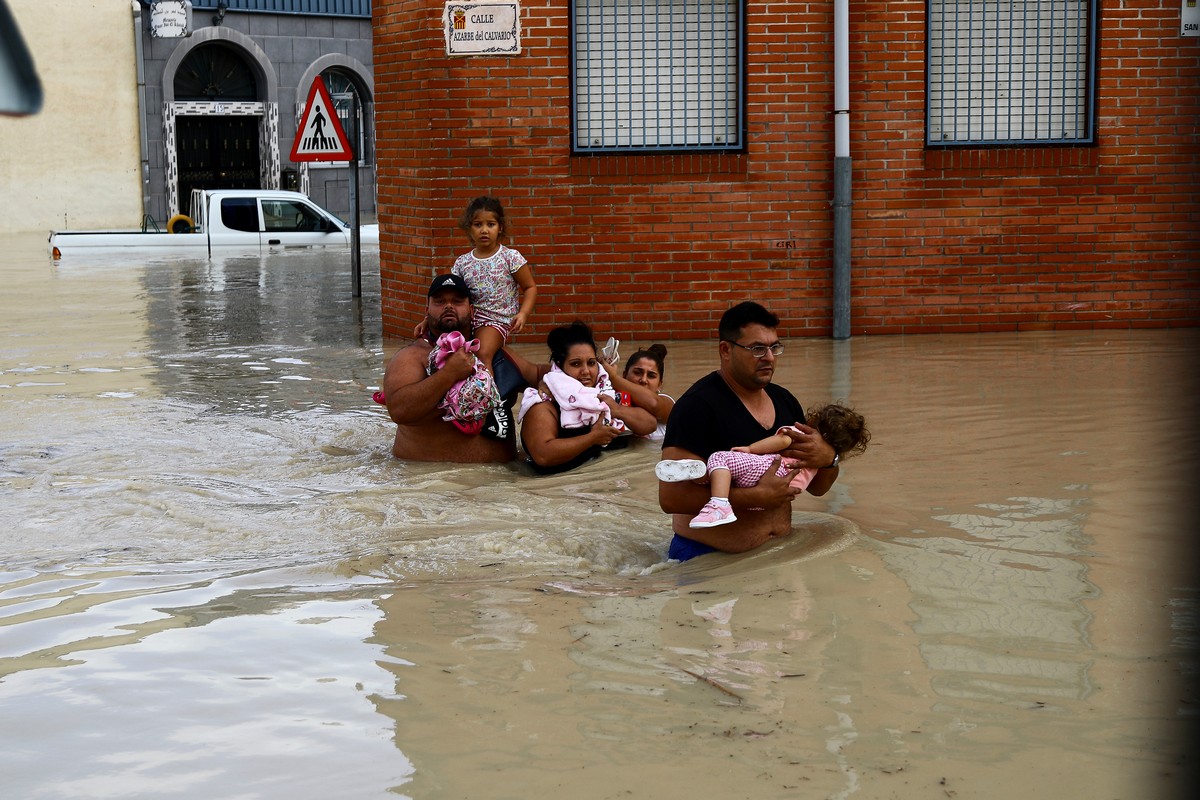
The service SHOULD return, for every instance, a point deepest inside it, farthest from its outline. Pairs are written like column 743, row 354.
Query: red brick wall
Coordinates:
column 658, row 246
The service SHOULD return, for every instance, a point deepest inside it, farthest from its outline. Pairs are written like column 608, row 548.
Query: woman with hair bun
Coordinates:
column 642, row 380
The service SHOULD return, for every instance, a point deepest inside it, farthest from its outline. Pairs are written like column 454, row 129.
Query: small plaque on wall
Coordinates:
column 482, row 29
column 170, row 19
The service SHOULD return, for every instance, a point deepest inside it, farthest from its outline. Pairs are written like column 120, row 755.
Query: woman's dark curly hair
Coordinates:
column 844, row 428
column 562, row 339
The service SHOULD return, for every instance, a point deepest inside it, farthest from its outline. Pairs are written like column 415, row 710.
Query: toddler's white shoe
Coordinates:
column 609, row 352
column 677, row 471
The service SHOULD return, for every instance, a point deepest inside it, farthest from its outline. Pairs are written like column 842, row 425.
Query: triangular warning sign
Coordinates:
column 320, row 136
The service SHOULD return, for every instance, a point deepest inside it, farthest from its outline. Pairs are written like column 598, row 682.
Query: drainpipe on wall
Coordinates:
column 144, row 151
column 842, row 175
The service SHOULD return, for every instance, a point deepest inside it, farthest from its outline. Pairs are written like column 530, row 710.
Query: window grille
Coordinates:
column 1017, row 72
column 662, row 75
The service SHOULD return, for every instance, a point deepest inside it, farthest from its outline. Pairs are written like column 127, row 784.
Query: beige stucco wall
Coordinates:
column 76, row 163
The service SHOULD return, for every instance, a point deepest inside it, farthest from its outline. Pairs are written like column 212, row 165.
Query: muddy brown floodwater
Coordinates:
column 215, row 582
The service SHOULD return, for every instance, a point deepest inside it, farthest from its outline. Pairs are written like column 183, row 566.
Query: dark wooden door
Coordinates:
column 217, row 153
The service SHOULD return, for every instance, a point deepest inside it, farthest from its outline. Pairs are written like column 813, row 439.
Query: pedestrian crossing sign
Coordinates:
column 320, row 136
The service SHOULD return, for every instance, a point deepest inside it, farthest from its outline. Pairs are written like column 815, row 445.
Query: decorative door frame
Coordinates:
column 268, row 140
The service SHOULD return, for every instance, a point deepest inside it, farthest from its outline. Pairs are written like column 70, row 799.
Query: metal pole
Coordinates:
column 143, row 145
column 355, row 236
column 842, row 172
column 841, row 247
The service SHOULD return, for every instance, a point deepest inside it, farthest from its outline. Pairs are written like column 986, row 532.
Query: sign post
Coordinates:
column 320, row 137
column 355, row 242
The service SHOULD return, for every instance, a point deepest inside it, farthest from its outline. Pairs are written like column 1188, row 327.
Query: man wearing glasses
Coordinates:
column 733, row 407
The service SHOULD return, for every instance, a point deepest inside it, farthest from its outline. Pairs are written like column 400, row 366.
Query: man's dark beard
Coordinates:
column 435, row 327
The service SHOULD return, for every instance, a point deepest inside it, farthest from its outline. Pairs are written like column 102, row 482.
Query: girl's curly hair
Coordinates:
column 485, row 203
column 843, row 427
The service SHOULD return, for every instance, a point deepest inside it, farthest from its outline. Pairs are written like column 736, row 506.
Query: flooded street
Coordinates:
column 215, row 582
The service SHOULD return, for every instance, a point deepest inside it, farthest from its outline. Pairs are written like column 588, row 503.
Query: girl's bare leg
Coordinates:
column 490, row 342
column 718, row 483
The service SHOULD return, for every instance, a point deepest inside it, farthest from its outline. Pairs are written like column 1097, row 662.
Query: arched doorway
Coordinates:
column 216, row 147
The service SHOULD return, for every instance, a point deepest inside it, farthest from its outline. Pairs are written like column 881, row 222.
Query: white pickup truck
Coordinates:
column 248, row 220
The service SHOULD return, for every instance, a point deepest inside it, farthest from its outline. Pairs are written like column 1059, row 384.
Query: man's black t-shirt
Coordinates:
column 710, row 417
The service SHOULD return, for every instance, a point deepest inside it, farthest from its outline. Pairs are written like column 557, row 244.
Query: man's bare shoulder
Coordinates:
column 409, row 360
column 416, row 349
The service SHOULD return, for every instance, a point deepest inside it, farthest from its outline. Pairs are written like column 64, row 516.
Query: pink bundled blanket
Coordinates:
column 467, row 403
column 578, row 405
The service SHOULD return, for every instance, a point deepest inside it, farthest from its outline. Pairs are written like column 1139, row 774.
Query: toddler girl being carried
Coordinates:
column 843, row 428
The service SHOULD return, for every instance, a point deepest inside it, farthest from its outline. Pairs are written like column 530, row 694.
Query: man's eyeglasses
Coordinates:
column 760, row 350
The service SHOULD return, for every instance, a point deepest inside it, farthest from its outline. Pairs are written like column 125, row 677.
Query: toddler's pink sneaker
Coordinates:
column 713, row 515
